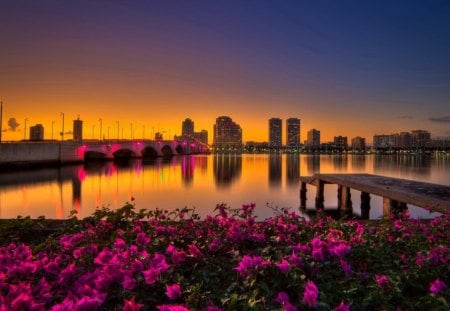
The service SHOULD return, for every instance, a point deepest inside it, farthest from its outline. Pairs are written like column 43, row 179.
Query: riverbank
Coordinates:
column 145, row 260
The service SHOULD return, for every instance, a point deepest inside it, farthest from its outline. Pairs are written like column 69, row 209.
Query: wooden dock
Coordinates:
column 396, row 192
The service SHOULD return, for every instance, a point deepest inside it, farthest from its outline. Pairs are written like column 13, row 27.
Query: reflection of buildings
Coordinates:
column 340, row 163
column 293, row 132
column 275, row 161
column 37, row 132
column 292, row 168
column 187, row 169
column 227, row 168
column 275, row 132
column 313, row 164
column 403, row 165
column 227, row 134
column 358, row 163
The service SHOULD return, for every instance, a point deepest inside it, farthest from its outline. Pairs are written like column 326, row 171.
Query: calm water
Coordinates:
column 202, row 182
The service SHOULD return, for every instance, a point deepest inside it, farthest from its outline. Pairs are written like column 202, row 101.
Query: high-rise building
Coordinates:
column 187, row 127
column 37, row 132
column 420, row 138
column 293, row 132
column 359, row 143
column 340, row 143
column 275, row 132
column 404, row 140
column 227, row 133
column 384, row 141
column 78, row 130
column 313, row 139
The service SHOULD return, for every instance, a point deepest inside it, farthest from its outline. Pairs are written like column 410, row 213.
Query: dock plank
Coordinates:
column 427, row 195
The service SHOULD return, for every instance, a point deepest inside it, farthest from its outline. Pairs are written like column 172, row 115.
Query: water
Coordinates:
column 202, row 182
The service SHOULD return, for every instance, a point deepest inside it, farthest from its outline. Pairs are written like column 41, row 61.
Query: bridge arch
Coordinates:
column 149, row 152
column 167, row 151
column 94, row 155
column 124, row 153
column 180, row 150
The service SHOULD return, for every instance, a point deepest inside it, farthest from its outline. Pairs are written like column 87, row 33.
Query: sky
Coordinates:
column 351, row 68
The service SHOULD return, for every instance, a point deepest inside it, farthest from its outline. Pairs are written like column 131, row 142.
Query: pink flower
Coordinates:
column 172, row 308
column 382, row 281
column 173, row 291
column 104, row 257
column 195, row 251
column 437, row 286
column 213, row 308
column 142, row 239
column 342, row 307
column 295, row 260
column 284, row 266
column 131, row 305
column 247, row 263
column 283, row 299
column 311, row 294
column 150, row 276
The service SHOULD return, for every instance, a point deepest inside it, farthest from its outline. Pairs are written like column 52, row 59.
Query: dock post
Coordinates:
column 346, row 201
column 339, row 197
column 319, row 194
column 303, row 191
column 386, row 207
column 365, row 205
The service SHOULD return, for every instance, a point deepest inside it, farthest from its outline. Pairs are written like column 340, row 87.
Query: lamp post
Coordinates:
column 25, row 129
column 100, row 120
column 53, row 123
column 93, row 129
column 108, row 131
column 143, row 132
column 62, row 132
column 131, row 126
column 118, row 132
column 1, row 120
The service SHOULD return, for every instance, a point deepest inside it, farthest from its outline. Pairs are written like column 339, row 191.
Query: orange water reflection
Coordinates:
column 198, row 181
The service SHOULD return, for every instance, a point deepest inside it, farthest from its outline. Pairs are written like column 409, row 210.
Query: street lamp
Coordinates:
column 118, row 132
column 53, row 123
column 108, row 131
column 100, row 120
column 25, row 130
column 131, row 125
column 93, row 129
column 62, row 132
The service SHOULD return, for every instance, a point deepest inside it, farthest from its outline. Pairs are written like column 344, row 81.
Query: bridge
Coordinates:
column 54, row 152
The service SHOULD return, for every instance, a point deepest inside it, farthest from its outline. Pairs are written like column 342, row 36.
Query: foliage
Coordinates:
column 146, row 260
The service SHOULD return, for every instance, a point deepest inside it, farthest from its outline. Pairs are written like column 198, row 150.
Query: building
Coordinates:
column 313, row 139
column 404, row 140
column 340, row 143
column 78, row 130
column 201, row 136
column 358, row 143
column 37, row 132
column 384, row 141
column 420, row 138
column 187, row 127
column 275, row 132
column 293, row 132
column 227, row 133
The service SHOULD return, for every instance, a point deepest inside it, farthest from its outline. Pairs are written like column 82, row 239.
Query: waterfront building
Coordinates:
column 227, row 133
column 404, row 140
column 340, row 143
column 201, row 136
column 420, row 138
column 187, row 127
column 78, row 130
column 37, row 132
column 358, row 143
column 313, row 139
column 293, row 132
column 384, row 141
column 275, row 132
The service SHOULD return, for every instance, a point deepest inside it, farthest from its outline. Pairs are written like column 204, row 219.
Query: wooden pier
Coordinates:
column 396, row 192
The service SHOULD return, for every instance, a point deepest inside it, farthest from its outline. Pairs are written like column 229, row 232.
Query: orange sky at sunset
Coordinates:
column 346, row 69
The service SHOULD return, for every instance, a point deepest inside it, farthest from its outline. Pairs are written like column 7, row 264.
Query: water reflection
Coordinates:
column 227, row 169
column 200, row 181
column 275, row 170
column 292, row 169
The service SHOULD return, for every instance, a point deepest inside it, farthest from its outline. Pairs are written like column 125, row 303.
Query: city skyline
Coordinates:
column 351, row 69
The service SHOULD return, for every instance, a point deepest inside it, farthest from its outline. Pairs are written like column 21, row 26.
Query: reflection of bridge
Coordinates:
column 137, row 149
